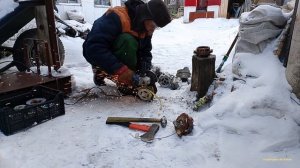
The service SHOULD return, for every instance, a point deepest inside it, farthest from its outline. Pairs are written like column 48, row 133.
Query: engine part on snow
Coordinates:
column 156, row 70
column 145, row 93
column 175, row 83
column 183, row 124
column 169, row 81
column 184, row 74
column 164, row 80
column 149, row 136
column 203, row 51
column 162, row 121
column 139, row 127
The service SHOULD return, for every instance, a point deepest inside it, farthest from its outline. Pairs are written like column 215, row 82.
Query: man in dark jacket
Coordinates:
column 119, row 43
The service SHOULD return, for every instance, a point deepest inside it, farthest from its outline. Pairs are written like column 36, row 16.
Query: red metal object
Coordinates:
column 201, row 14
column 190, row 2
column 213, row 2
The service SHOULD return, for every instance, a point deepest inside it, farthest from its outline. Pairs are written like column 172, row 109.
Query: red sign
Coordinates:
column 213, row 2
column 190, row 3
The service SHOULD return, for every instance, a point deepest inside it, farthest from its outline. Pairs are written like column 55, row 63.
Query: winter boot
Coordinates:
column 99, row 76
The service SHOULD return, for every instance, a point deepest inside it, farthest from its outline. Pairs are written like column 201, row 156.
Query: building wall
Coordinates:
column 218, row 7
column 293, row 66
column 90, row 11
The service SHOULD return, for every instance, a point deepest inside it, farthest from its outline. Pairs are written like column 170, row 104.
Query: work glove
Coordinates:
column 125, row 75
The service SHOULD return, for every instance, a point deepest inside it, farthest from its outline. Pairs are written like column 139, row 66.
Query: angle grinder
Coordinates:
column 143, row 86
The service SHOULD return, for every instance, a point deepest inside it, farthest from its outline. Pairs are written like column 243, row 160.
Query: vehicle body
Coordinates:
column 11, row 23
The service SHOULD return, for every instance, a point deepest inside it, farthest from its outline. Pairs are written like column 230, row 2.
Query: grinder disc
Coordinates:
column 145, row 93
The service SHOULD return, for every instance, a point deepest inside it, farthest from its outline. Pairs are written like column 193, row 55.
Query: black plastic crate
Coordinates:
column 19, row 111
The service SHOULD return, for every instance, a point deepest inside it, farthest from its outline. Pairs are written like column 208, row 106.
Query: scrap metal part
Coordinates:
column 183, row 124
column 183, row 74
column 164, row 80
column 169, row 81
column 146, row 93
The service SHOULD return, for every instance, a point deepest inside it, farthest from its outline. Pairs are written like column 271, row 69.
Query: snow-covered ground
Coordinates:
column 7, row 7
column 256, row 125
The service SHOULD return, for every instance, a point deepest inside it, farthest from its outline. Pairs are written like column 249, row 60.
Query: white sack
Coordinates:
column 257, row 33
column 264, row 13
column 244, row 46
column 75, row 15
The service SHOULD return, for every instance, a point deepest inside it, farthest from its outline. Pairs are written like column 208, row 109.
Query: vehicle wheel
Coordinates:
column 19, row 56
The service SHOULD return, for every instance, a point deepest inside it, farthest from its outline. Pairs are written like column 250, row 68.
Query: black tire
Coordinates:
column 19, row 56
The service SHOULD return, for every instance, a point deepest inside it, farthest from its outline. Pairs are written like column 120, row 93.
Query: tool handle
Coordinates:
column 227, row 54
column 232, row 45
column 127, row 119
column 139, row 127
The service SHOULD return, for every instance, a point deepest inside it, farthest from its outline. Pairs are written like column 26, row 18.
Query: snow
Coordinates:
column 7, row 6
column 256, row 125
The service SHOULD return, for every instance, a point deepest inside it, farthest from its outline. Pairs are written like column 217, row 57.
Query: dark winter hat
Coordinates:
column 154, row 10
column 159, row 12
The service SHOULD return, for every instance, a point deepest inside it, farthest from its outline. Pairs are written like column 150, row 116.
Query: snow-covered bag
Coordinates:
column 243, row 46
column 75, row 15
column 259, row 32
column 264, row 13
column 257, row 29
column 258, row 26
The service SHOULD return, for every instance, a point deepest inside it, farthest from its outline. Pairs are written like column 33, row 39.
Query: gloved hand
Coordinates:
column 125, row 75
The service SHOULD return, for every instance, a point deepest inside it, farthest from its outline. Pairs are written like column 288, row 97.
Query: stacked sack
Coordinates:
column 257, row 28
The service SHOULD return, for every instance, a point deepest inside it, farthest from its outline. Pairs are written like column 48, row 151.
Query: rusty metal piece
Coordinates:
column 47, row 58
column 183, row 124
column 27, row 59
column 183, row 74
column 203, row 51
column 52, row 33
column 39, row 46
column 37, row 56
column 24, row 81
